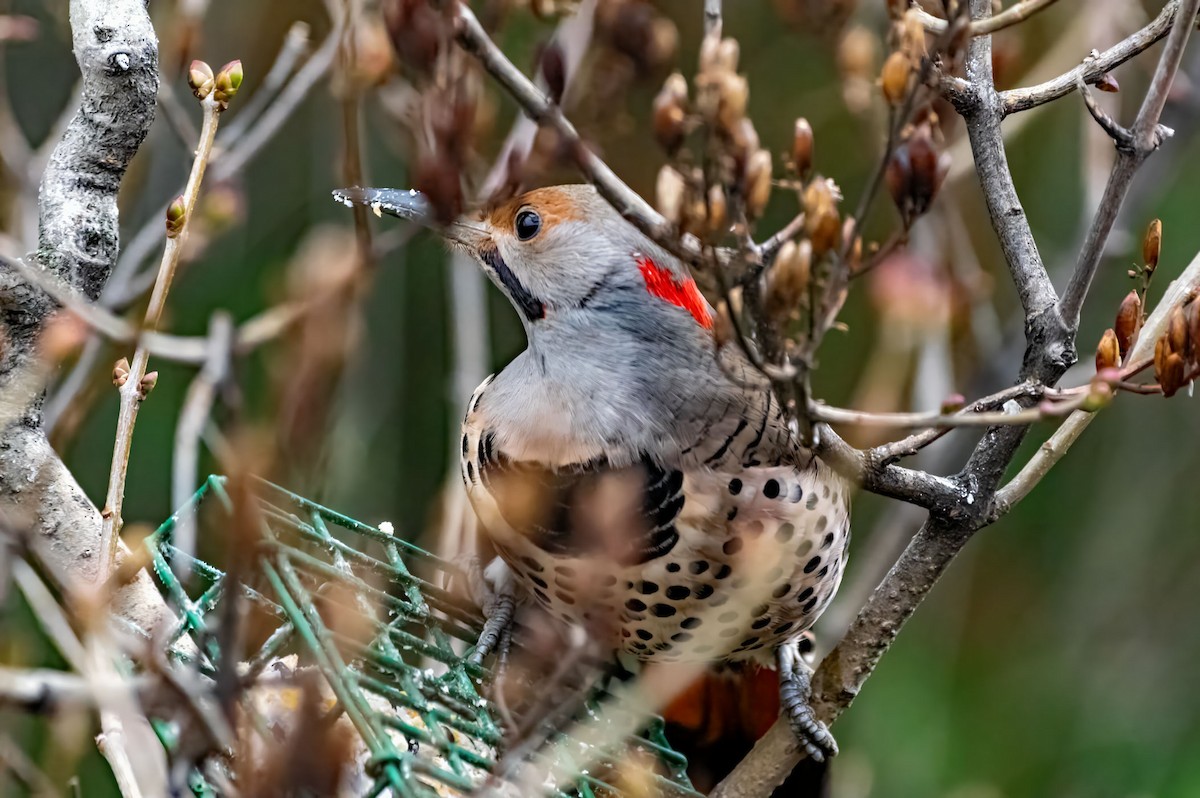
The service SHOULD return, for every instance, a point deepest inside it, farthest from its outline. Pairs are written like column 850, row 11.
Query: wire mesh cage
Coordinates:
column 399, row 680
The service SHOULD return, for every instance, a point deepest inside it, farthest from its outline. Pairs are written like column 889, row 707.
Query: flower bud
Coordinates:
column 1108, row 353
column 176, row 217
column 669, row 190
column 120, row 372
column 802, row 147
column 1099, row 396
column 758, row 183
column 228, row 81
column 147, row 384
column 1129, row 320
column 1107, row 83
column 200, row 79
column 670, row 118
column 953, row 403
column 894, row 77
column 1152, row 245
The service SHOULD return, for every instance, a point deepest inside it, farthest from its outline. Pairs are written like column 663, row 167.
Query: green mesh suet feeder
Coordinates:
column 418, row 710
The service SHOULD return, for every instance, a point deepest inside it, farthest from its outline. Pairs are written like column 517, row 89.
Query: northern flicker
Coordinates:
column 633, row 476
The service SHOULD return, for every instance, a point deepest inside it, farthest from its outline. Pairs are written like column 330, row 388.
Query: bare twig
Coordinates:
column 1133, row 148
column 1092, row 69
column 1050, row 452
column 196, row 408
column 133, row 391
column 1013, row 15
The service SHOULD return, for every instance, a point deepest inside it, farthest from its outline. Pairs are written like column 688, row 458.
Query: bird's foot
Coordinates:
column 493, row 590
column 795, row 689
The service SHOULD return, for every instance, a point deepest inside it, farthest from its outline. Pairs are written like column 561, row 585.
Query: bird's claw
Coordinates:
column 795, row 689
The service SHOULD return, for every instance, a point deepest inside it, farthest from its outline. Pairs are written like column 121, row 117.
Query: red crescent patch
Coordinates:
column 661, row 283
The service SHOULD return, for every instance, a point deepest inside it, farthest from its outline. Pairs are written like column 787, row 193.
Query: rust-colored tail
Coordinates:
column 718, row 718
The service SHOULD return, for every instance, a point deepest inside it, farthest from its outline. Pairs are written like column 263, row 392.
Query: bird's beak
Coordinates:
column 412, row 205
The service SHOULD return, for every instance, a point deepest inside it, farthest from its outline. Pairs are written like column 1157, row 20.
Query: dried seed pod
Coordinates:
column 1152, row 245
column 1178, row 335
column 1129, row 320
column 821, row 220
column 438, row 179
column 732, row 97
column 857, row 52
column 1108, row 353
column 717, row 219
column 554, row 71
column 787, row 281
column 416, row 31
column 802, row 147
column 670, row 189
column 758, row 183
column 1172, row 377
column 670, row 116
column 894, row 77
column 728, row 53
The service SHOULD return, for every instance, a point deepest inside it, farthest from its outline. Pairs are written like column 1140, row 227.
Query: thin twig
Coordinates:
column 196, row 408
column 1133, row 148
column 1013, row 15
column 133, row 391
column 1093, row 69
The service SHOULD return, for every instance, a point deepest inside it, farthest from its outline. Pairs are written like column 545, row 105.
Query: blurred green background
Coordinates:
column 1058, row 655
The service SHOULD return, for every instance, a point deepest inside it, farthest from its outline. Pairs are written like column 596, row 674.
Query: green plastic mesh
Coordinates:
column 416, row 704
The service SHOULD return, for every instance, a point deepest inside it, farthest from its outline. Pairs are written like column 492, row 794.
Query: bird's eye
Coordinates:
column 527, row 223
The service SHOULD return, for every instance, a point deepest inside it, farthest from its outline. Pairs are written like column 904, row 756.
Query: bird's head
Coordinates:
column 559, row 254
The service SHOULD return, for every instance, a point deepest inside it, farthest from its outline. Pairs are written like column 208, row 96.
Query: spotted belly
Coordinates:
column 751, row 561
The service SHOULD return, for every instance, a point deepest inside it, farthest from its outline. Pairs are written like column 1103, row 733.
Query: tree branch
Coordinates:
column 1013, row 15
column 1092, row 69
column 117, row 52
column 1143, row 138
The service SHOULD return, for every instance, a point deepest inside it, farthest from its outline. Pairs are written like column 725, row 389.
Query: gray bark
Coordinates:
column 117, row 52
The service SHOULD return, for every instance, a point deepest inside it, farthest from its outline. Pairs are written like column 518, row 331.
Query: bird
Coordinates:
column 633, row 475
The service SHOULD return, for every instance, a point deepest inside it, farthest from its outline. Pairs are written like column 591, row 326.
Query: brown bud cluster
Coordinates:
column 1177, row 351
column 722, row 96
column 1108, row 353
column 1129, row 321
column 670, row 113
column 227, row 82
column 788, row 281
column 916, row 171
column 682, row 200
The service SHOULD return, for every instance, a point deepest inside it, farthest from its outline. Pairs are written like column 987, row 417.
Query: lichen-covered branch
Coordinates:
column 117, row 52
